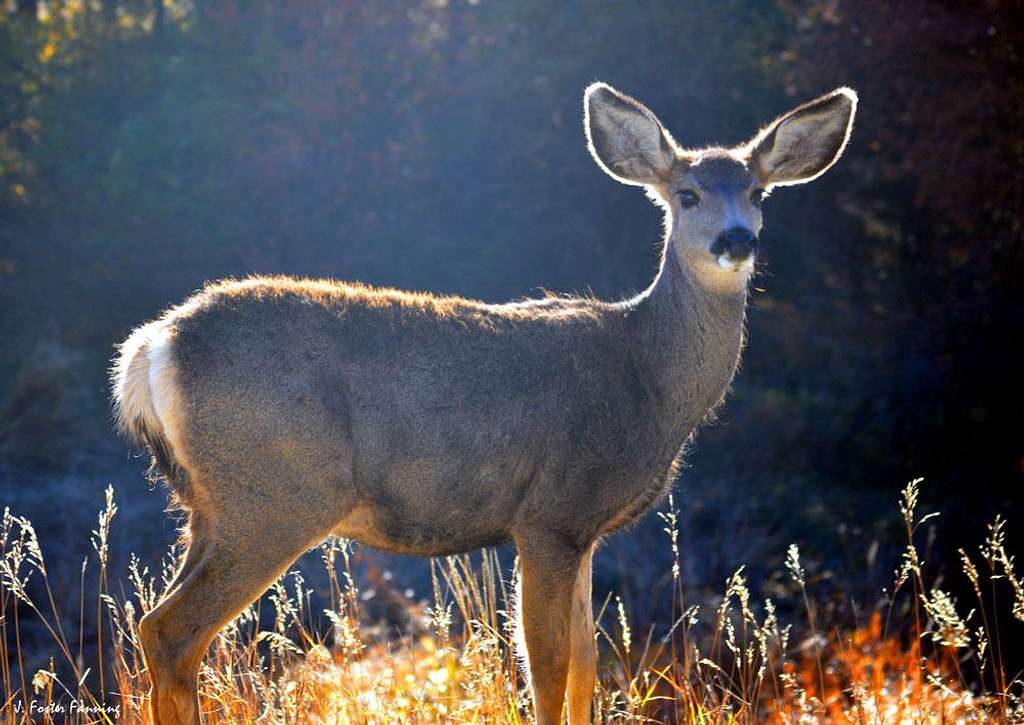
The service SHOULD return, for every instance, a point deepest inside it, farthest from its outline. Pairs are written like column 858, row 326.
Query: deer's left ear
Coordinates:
column 625, row 138
column 804, row 143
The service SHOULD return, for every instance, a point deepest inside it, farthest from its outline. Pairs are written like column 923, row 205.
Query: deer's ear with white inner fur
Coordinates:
column 804, row 143
column 625, row 138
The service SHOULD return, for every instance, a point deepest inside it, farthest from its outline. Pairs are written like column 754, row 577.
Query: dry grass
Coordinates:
column 315, row 660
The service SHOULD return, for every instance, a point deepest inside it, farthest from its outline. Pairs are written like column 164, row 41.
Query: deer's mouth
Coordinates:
column 732, row 264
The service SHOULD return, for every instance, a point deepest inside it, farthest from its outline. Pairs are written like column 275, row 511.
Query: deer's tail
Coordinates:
column 149, row 404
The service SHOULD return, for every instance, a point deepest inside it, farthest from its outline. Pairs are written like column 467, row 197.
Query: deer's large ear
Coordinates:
column 803, row 144
column 625, row 138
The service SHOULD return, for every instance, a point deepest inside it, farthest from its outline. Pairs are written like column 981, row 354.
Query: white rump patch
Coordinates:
column 164, row 390
column 145, row 386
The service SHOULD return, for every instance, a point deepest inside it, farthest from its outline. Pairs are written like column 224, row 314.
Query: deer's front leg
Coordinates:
column 549, row 566
column 583, row 648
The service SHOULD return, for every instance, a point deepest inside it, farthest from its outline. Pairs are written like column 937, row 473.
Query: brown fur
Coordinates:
column 283, row 410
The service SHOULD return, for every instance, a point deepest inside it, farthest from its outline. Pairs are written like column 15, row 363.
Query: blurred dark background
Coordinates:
column 149, row 145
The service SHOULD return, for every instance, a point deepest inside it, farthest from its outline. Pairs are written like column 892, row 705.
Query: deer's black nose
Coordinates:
column 738, row 243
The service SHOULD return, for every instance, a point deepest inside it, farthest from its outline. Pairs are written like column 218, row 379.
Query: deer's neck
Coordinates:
column 691, row 339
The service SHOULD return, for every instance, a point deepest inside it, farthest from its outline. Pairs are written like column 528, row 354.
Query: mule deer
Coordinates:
column 281, row 411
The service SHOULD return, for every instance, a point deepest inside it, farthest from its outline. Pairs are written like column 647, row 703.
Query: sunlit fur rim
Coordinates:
column 742, row 152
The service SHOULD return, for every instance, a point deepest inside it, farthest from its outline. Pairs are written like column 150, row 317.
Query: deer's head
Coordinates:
column 714, row 195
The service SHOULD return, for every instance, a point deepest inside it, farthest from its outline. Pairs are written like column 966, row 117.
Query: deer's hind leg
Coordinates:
column 197, row 535
column 230, row 562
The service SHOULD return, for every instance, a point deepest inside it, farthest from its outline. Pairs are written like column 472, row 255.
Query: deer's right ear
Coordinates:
column 803, row 144
column 625, row 138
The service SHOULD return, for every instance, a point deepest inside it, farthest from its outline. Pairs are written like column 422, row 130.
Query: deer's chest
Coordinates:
column 651, row 453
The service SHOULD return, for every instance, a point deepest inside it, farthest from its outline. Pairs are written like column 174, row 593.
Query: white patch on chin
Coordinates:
column 730, row 265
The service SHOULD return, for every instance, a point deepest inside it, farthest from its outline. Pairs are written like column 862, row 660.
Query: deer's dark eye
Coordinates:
column 757, row 197
column 688, row 198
